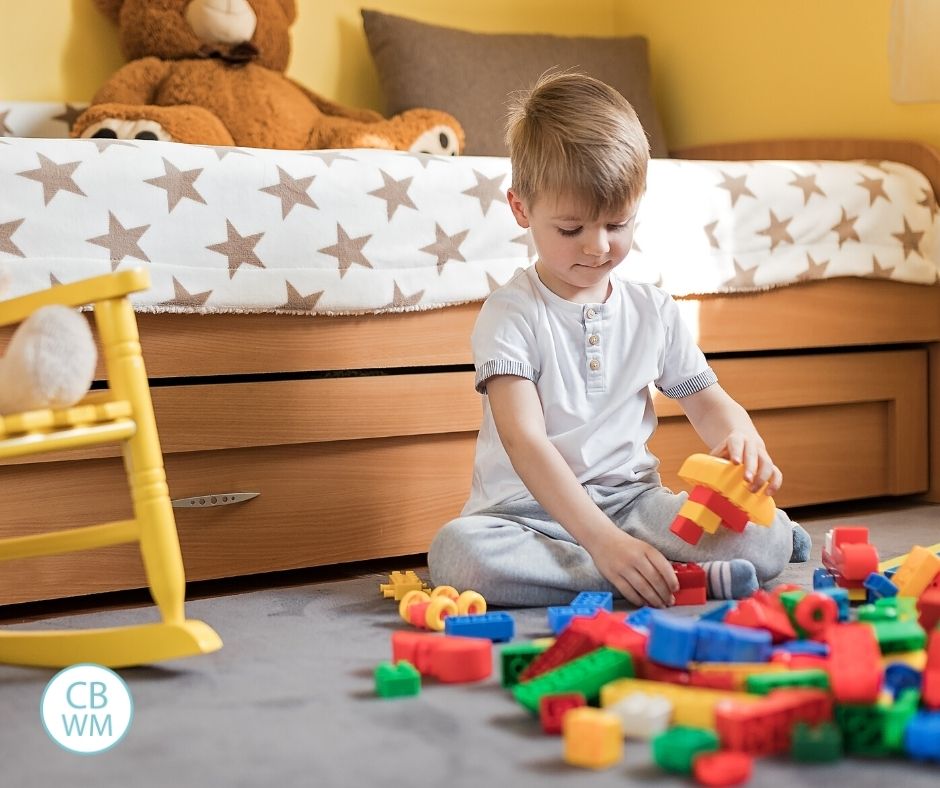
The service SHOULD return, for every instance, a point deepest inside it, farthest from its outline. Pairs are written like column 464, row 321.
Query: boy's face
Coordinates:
column 576, row 253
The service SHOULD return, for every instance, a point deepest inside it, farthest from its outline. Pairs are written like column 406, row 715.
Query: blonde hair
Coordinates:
column 573, row 134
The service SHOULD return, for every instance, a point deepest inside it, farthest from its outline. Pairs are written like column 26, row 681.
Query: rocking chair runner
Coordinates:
column 122, row 413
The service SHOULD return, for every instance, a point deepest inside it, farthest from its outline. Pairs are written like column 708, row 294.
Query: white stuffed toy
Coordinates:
column 49, row 362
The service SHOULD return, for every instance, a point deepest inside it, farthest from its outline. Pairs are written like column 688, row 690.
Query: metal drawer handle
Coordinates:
column 213, row 499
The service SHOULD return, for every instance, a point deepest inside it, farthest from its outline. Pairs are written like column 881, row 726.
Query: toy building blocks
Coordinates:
column 672, row 640
column 448, row 659
column 879, row 587
column 849, row 557
column 552, row 709
column 718, row 642
column 400, row 583
column 642, row 716
column 417, row 608
column 928, row 608
column 893, row 563
column 922, row 736
column 586, row 674
column 498, row 627
column 917, row 572
column 814, row 613
column 397, row 681
column 855, row 671
column 931, row 681
column 765, row 683
column 593, row 738
column 764, row 727
column 719, row 496
column 560, row 616
column 722, row 768
column 675, row 750
column 516, row 658
column 594, row 599
column 691, row 579
column 816, row 743
column 763, row 611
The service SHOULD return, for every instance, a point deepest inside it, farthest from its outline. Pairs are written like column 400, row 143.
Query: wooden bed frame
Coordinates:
column 358, row 432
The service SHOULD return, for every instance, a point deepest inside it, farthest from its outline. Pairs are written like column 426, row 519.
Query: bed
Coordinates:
column 341, row 392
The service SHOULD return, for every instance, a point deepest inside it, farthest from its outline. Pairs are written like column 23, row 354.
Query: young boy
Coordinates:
column 566, row 496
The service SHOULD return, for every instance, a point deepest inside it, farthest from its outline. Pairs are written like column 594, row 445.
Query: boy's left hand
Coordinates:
column 747, row 448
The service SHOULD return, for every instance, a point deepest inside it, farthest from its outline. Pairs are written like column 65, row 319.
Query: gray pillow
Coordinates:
column 470, row 75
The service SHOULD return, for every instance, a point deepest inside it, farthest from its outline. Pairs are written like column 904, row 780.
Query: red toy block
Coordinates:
column 653, row 671
column 763, row 611
column 731, row 515
column 686, row 529
column 847, row 554
column 447, row 658
column 928, row 608
column 930, row 691
column 764, row 727
column 722, row 768
column 553, row 707
column 815, row 612
column 714, row 679
column 691, row 579
column 855, row 670
column 800, row 661
column 569, row 645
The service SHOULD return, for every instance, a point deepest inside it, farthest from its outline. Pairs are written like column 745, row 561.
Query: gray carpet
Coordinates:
column 289, row 702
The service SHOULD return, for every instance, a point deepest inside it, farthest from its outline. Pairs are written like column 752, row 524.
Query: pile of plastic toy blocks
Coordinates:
column 788, row 672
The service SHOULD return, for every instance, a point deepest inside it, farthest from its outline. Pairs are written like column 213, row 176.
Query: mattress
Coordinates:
column 367, row 231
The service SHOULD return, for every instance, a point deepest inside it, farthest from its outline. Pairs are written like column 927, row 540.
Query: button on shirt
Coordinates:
column 592, row 365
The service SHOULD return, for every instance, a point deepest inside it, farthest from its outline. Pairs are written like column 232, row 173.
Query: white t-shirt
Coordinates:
column 592, row 365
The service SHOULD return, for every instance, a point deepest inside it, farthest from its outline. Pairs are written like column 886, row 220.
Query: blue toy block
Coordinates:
column 922, row 736
column 813, row 647
column 889, row 573
column 640, row 619
column 497, row 627
column 879, row 587
column 595, row 599
column 672, row 640
column 842, row 600
column 560, row 616
column 899, row 677
column 823, row 579
column 718, row 612
column 717, row 642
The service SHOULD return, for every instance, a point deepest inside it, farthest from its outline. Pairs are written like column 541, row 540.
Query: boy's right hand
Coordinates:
column 636, row 569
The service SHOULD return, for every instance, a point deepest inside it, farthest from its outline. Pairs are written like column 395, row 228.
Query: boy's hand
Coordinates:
column 637, row 570
column 748, row 448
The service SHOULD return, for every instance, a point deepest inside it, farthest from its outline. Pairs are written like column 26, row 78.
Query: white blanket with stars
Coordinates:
column 339, row 232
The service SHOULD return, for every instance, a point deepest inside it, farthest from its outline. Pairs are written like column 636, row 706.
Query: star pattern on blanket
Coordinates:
column 103, row 143
column 395, row 193
column 347, row 250
column 291, row 191
column 910, row 240
column 5, row 130
column 6, row 237
column 328, row 157
column 54, row 281
column 69, row 115
column 178, row 185
column 121, row 241
column 487, row 190
column 777, row 231
column 875, row 188
column 743, row 277
column 400, row 300
column 845, row 228
column 300, row 303
column 446, row 247
column 54, row 177
column 929, row 202
column 221, row 151
column 879, row 271
column 239, row 249
column 807, row 184
column 182, row 297
column 737, row 187
column 813, row 270
column 710, row 234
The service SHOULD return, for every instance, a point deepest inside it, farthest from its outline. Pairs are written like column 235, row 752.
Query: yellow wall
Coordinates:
column 723, row 69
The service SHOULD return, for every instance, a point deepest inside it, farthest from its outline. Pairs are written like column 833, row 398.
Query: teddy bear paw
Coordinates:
column 440, row 140
column 120, row 129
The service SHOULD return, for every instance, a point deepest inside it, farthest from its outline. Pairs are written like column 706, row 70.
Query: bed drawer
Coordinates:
column 319, row 503
column 841, row 426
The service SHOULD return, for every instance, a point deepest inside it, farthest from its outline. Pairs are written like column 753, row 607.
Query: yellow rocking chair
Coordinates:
column 122, row 413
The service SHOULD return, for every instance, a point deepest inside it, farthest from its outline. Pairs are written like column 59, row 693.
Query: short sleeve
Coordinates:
column 504, row 338
column 683, row 368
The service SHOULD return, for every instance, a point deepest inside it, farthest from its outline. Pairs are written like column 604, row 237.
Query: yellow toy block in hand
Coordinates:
column 727, row 478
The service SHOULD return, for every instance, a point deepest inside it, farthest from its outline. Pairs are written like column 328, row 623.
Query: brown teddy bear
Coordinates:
column 211, row 72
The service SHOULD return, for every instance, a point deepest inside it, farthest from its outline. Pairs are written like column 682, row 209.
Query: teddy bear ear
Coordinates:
column 110, row 8
column 290, row 10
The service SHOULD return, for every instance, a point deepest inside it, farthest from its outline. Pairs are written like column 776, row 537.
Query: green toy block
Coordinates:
column 675, row 749
column 891, row 608
column 862, row 728
column 586, row 674
column 515, row 658
column 397, row 681
column 763, row 683
column 895, row 636
column 819, row 744
column 790, row 600
column 897, row 716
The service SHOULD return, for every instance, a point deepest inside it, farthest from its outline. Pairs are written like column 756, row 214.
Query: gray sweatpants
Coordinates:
column 517, row 555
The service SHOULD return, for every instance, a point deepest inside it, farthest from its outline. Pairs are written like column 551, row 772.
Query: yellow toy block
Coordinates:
column 917, row 572
column 893, row 562
column 857, row 594
column 701, row 515
column 913, row 659
column 727, row 478
column 400, row 583
column 593, row 738
column 693, row 706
